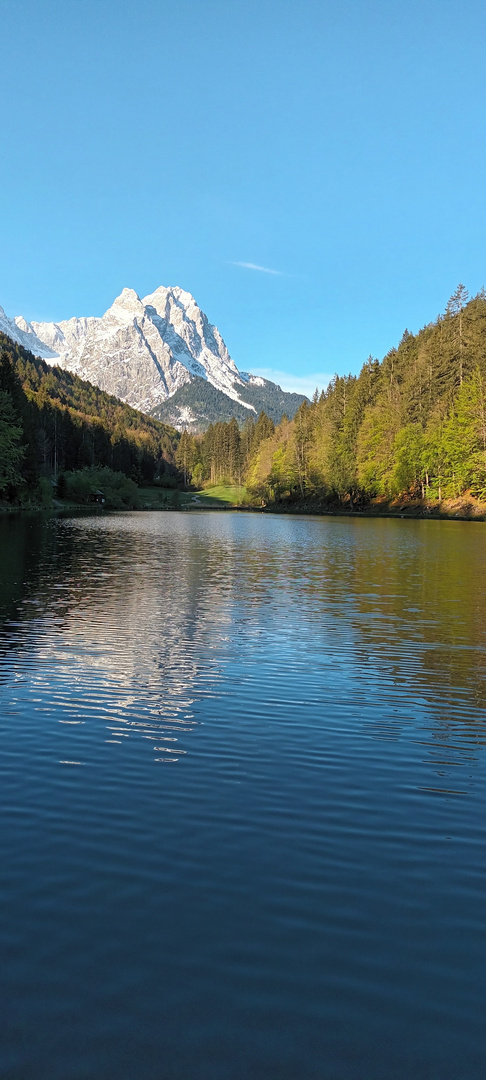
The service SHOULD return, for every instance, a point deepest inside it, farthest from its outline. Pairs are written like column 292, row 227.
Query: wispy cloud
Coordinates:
column 296, row 384
column 261, row 269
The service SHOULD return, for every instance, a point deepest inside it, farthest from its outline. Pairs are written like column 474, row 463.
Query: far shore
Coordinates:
column 224, row 498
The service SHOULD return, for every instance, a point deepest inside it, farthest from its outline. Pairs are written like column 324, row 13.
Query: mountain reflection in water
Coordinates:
column 304, row 888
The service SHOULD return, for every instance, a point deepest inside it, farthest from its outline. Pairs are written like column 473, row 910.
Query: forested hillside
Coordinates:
column 414, row 424
column 51, row 421
column 201, row 404
column 198, row 404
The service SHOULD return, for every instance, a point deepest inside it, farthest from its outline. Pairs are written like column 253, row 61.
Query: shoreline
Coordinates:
column 463, row 509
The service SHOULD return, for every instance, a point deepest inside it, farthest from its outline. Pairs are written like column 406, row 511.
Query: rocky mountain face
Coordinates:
column 145, row 351
column 20, row 331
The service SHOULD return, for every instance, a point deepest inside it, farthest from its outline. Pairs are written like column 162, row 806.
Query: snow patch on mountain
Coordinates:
column 252, row 380
column 183, row 418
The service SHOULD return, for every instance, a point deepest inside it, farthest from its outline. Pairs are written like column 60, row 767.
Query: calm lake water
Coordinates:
column 243, row 820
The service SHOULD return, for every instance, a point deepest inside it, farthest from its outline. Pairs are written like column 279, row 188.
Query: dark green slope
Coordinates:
column 67, row 423
column 209, row 405
column 272, row 400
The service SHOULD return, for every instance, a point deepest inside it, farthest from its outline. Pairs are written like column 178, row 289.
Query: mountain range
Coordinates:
column 160, row 354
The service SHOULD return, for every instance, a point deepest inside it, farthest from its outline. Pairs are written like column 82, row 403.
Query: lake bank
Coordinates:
column 465, row 508
column 222, row 497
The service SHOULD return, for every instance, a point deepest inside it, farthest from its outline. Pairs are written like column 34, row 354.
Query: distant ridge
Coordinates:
column 198, row 404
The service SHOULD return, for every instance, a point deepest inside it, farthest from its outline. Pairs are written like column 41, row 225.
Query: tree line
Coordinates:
column 222, row 455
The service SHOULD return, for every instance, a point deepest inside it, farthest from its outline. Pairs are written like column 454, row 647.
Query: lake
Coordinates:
column 242, row 798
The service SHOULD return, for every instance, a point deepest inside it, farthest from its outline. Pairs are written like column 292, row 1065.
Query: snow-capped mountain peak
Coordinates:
column 142, row 351
column 127, row 303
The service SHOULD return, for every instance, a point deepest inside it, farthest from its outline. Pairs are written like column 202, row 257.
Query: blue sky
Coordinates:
column 313, row 172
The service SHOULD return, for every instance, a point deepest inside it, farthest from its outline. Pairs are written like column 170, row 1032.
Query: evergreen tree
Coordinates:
column 409, row 460
column 454, row 310
column 185, row 456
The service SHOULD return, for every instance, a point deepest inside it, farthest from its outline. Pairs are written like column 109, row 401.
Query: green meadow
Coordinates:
column 223, row 496
column 229, row 495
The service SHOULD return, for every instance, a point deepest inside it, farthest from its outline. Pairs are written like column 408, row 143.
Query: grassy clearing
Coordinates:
column 156, row 498
column 230, row 495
